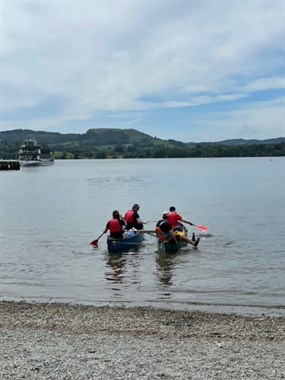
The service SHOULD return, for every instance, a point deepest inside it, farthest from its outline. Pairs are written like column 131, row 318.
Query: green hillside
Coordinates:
column 130, row 143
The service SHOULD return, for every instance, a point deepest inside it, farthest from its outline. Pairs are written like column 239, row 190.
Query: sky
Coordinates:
column 192, row 71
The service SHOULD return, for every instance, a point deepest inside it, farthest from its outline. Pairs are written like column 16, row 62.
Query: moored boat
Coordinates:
column 30, row 154
column 128, row 242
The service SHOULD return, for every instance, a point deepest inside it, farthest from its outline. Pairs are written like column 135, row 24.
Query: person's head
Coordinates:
column 116, row 214
column 135, row 207
column 165, row 215
column 172, row 209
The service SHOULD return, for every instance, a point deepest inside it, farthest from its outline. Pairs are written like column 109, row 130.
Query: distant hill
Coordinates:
column 238, row 142
column 100, row 136
column 130, row 143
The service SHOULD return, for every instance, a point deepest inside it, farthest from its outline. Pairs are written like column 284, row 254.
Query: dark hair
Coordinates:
column 116, row 214
column 136, row 206
column 172, row 208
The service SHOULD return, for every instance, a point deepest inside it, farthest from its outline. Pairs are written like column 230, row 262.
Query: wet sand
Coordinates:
column 63, row 341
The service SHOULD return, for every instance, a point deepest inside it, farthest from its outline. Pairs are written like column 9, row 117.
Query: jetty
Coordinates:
column 10, row 165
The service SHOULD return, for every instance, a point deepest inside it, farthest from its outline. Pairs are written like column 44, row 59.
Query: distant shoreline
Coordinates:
column 102, row 143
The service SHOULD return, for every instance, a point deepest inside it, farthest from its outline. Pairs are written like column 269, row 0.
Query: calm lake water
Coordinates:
column 49, row 215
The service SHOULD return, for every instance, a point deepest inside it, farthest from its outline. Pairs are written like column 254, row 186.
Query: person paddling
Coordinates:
column 175, row 219
column 132, row 218
column 178, row 227
column 116, row 226
column 164, row 230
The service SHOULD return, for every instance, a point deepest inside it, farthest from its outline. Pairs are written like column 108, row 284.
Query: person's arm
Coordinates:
column 172, row 234
column 138, row 220
column 107, row 227
column 122, row 222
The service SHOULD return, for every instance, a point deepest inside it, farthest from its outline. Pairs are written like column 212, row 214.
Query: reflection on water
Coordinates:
column 117, row 264
column 56, row 211
column 122, row 271
column 165, row 264
column 122, row 267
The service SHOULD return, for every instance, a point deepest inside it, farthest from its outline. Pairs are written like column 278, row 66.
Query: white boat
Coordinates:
column 30, row 154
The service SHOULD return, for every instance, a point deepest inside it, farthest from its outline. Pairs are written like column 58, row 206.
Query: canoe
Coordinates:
column 170, row 246
column 125, row 244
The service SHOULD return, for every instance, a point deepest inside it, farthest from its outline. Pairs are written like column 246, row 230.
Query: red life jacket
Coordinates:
column 173, row 219
column 129, row 217
column 114, row 226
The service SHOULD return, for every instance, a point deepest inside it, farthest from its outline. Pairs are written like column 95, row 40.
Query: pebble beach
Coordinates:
column 66, row 341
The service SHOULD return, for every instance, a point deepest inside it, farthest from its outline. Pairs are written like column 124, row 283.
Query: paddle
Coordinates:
column 151, row 234
column 145, row 231
column 201, row 228
column 95, row 242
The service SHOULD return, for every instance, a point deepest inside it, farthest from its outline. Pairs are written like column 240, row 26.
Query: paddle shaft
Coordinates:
column 95, row 242
column 201, row 228
column 145, row 231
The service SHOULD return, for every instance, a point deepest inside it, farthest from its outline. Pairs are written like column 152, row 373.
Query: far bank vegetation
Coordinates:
column 129, row 143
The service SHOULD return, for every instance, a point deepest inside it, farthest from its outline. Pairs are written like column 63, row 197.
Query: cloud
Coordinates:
column 88, row 61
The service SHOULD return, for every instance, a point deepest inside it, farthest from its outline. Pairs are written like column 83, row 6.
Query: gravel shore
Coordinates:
column 62, row 341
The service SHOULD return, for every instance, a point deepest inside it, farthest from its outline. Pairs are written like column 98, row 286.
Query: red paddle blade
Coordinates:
column 94, row 243
column 203, row 228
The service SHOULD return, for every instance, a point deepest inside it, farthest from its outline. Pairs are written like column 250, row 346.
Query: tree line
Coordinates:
column 115, row 143
column 135, row 151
